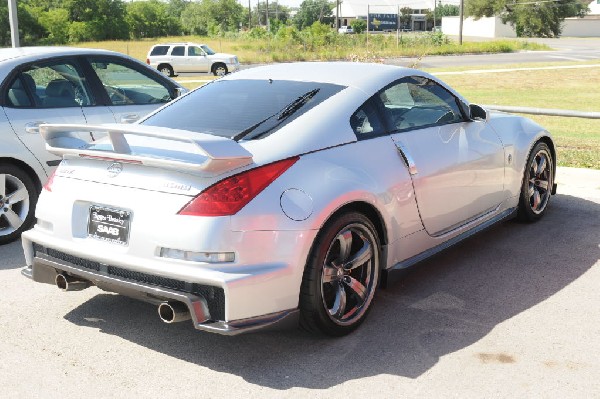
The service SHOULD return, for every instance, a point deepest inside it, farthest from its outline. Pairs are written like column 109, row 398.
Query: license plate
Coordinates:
column 108, row 224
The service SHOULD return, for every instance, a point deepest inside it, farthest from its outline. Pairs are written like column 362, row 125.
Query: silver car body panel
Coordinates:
column 419, row 209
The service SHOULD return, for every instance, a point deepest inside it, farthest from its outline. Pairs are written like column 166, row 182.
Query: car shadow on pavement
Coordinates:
column 11, row 254
column 443, row 305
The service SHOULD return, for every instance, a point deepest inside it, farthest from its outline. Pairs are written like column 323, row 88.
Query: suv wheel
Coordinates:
column 166, row 69
column 219, row 69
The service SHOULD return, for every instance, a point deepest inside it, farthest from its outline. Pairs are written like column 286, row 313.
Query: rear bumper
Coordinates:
column 202, row 301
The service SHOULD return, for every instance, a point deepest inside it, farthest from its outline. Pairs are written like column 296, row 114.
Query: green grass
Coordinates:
column 334, row 47
column 577, row 139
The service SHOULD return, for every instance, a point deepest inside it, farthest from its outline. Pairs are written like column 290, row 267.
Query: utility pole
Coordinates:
column 337, row 14
column 460, row 22
column 14, row 22
column 267, row 12
column 249, row 16
column 434, row 11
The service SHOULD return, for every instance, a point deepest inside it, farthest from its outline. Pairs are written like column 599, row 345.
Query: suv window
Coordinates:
column 159, row 50
column 243, row 109
column 195, row 51
column 178, row 51
column 125, row 85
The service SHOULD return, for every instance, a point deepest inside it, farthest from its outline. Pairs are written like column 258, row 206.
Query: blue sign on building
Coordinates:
column 383, row 22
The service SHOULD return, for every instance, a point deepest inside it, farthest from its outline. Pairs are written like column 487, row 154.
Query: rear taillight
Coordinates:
column 230, row 195
column 148, row 61
column 48, row 185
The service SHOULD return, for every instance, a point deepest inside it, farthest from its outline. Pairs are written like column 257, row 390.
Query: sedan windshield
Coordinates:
column 242, row 109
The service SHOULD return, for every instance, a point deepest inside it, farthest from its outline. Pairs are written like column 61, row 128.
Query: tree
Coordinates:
column 97, row 19
column 151, row 19
column 446, row 10
column 30, row 30
column 405, row 17
column 312, row 11
column 212, row 17
column 442, row 10
column 531, row 18
column 358, row 25
column 276, row 12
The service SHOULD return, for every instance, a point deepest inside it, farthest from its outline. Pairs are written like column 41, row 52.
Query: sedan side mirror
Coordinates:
column 179, row 91
column 478, row 113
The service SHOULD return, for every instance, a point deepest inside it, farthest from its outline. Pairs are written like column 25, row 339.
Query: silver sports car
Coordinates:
column 282, row 193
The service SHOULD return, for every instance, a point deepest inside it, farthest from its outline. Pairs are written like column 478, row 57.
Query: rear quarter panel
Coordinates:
column 369, row 171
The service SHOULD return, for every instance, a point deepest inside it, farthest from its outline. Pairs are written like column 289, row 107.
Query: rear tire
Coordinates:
column 166, row 69
column 341, row 276
column 538, row 180
column 18, row 197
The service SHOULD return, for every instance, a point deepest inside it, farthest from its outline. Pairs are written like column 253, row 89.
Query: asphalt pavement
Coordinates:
column 512, row 312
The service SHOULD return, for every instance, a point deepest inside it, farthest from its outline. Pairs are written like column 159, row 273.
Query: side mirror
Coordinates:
column 179, row 91
column 478, row 113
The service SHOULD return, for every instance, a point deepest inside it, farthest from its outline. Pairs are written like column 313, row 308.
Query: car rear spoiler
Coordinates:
column 206, row 153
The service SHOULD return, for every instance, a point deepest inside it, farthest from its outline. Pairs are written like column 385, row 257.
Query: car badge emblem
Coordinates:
column 114, row 169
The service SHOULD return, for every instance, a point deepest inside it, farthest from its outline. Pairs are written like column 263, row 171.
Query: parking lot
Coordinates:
column 512, row 312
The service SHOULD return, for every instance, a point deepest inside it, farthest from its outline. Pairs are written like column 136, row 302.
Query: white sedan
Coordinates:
column 285, row 193
column 61, row 85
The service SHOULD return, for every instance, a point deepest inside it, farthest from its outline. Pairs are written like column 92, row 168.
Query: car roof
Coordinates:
column 180, row 44
column 36, row 52
column 368, row 77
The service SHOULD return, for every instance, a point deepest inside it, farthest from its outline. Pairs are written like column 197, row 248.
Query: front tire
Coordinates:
column 538, row 181
column 18, row 197
column 341, row 276
column 219, row 69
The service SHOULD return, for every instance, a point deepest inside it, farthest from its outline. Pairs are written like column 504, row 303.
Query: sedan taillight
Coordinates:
column 230, row 195
column 48, row 185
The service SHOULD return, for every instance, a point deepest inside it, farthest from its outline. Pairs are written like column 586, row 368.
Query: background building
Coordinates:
column 588, row 26
column 384, row 13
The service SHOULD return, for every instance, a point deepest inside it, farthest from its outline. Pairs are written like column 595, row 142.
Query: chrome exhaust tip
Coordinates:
column 68, row 283
column 173, row 312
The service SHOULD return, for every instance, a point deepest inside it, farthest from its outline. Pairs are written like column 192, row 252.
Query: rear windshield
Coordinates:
column 242, row 109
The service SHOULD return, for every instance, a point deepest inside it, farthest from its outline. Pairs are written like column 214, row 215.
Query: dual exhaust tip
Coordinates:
column 173, row 312
column 69, row 283
column 169, row 312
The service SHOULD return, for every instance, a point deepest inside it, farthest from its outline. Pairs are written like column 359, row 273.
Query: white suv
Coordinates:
column 172, row 58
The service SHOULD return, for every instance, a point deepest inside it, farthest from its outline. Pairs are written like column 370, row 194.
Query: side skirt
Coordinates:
column 394, row 273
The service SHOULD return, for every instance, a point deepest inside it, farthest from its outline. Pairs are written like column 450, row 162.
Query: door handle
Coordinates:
column 408, row 159
column 33, row 127
column 130, row 118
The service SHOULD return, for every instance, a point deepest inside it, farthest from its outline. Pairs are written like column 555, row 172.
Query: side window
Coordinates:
column 178, row 51
column 365, row 122
column 159, row 50
column 195, row 51
column 125, row 85
column 416, row 102
column 23, row 92
column 51, row 85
